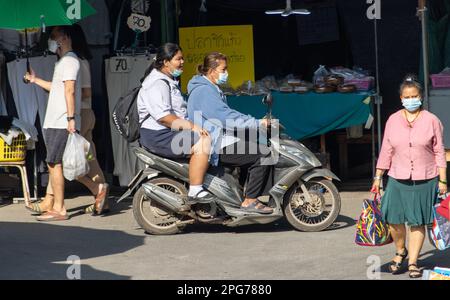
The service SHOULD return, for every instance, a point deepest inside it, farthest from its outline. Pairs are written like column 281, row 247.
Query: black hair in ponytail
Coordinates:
column 163, row 53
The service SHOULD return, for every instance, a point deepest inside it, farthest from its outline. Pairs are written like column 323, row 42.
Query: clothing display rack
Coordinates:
column 23, row 53
column 147, row 51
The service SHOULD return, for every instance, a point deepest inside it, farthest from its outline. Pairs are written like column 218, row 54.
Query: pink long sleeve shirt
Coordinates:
column 413, row 152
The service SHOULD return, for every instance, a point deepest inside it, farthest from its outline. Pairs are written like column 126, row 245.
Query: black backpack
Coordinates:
column 125, row 115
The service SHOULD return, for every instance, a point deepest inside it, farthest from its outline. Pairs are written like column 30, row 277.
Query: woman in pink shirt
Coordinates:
column 413, row 153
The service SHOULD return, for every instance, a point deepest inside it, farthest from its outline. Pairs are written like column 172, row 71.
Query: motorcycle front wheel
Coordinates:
column 153, row 217
column 316, row 215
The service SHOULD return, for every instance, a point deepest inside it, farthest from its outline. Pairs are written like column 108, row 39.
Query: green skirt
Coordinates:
column 409, row 201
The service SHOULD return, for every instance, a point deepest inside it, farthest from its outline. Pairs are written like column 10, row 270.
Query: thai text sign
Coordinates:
column 236, row 42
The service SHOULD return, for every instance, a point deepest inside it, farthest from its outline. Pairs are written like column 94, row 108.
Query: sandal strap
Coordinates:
column 403, row 255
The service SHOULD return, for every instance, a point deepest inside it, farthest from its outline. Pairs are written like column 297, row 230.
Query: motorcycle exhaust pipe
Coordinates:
column 168, row 199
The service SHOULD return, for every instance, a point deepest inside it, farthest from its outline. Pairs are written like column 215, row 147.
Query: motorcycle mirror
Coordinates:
column 268, row 99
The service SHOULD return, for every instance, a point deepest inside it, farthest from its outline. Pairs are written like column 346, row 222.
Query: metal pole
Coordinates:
column 373, row 144
column 35, row 173
column 377, row 97
column 423, row 15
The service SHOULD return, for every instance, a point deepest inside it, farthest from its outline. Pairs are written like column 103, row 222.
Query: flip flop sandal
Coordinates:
column 35, row 208
column 103, row 195
column 52, row 216
column 91, row 210
column 254, row 209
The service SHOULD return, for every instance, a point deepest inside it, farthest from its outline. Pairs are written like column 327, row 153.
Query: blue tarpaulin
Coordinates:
column 310, row 114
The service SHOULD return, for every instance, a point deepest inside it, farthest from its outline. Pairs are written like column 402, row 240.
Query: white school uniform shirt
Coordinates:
column 158, row 100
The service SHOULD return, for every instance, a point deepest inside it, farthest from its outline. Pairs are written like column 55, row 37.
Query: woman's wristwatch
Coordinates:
column 442, row 181
column 377, row 178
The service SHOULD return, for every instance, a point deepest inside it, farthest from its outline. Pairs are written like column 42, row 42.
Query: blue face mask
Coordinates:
column 412, row 104
column 176, row 73
column 223, row 78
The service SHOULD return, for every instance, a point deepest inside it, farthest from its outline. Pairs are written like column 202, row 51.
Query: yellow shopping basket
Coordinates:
column 14, row 152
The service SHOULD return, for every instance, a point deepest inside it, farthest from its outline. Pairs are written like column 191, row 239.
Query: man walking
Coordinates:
column 62, row 116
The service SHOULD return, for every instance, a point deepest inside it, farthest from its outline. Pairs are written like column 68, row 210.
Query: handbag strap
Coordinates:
column 377, row 197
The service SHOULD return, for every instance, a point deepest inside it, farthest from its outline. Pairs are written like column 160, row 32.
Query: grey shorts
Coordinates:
column 55, row 142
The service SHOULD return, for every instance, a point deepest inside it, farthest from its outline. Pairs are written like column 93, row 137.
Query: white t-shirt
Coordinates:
column 67, row 68
column 85, row 77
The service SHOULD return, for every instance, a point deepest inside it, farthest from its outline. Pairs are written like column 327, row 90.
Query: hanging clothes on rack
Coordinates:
column 3, row 109
column 29, row 98
column 13, row 40
column 123, row 73
column 97, row 27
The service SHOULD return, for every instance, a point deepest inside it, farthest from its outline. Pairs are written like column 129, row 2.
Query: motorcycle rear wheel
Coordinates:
column 153, row 217
column 315, row 216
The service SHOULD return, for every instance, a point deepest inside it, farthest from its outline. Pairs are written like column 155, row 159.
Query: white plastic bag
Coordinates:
column 75, row 162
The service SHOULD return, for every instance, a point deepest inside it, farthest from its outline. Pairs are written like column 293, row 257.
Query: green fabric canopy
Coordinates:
column 23, row 14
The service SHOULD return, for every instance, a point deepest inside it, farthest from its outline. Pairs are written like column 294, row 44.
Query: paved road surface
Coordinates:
column 114, row 247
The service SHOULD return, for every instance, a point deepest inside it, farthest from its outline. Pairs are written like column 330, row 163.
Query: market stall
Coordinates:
column 310, row 114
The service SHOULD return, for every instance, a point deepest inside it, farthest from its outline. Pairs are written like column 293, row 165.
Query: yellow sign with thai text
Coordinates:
column 236, row 42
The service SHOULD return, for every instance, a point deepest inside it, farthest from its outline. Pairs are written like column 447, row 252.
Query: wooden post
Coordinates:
column 323, row 145
column 422, row 3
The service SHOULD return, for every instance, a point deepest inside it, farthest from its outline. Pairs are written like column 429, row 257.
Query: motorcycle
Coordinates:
column 303, row 191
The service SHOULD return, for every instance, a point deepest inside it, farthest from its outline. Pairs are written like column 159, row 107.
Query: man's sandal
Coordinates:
column 35, row 208
column 257, row 207
column 395, row 267
column 91, row 210
column 52, row 216
column 414, row 272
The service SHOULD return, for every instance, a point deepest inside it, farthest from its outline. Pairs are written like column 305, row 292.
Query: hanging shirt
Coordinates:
column 126, row 164
column 13, row 40
column 66, row 69
column 30, row 99
column 412, row 152
column 97, row 26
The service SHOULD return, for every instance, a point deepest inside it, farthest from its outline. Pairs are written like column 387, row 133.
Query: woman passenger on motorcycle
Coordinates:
column 165, row 130
column 207, row 107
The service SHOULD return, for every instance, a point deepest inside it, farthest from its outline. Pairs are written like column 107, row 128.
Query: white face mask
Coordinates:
column 53, row 46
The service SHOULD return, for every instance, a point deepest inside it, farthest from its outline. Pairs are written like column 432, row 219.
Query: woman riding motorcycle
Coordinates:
column 208, row 108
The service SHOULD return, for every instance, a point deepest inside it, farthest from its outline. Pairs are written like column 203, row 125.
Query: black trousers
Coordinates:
column 258, row 175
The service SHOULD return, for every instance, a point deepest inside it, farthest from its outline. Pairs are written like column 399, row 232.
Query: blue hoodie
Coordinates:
column 207, row 99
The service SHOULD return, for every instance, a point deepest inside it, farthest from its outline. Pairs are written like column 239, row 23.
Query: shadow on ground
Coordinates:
column 427, row 260
column 277, row 226
column 39, row 251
